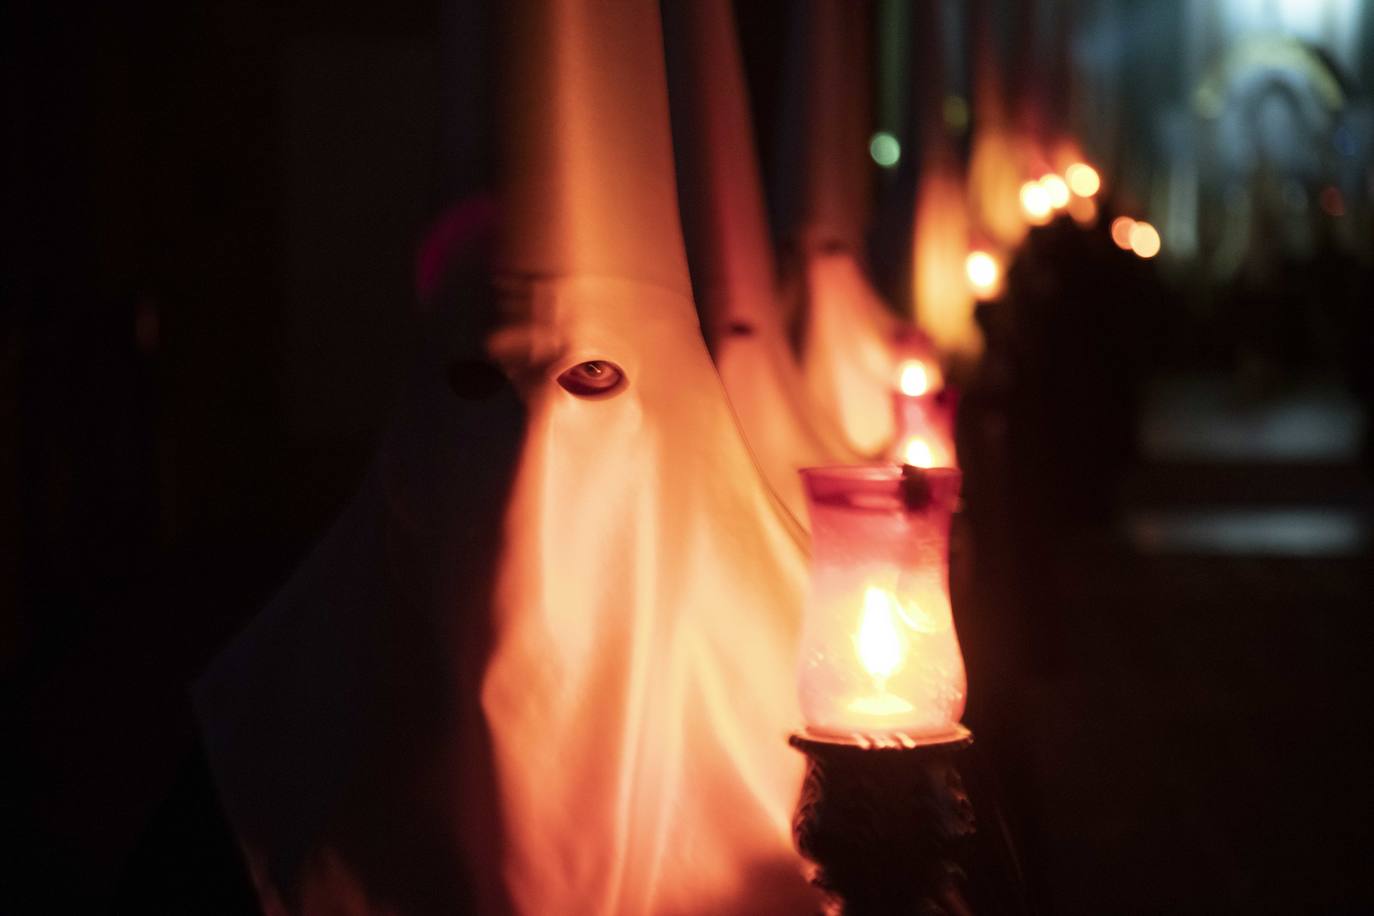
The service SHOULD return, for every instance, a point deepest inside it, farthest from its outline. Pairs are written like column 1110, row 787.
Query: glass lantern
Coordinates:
column 880, row 659
column 923, row 409
column 925, row 429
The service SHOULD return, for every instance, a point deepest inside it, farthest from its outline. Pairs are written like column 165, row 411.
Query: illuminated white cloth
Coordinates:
column 849, row 350
column 546, row 660
column 848, row 334
column 647, row 626
column 731, row 255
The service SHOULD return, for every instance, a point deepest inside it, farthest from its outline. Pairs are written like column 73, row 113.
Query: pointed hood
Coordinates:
column 587, row 154
column 943, row 302
column 545, row 660
column 823, row 170
column 724, row 216
column 731, row 255
column 997, row 164
column 847, row 333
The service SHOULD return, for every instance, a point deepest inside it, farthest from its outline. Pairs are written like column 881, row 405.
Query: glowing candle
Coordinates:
column 923, row 415
column 1035, row 203
column 880, row 658
column 925, row 430
column 984, row 274
column 1056, row 189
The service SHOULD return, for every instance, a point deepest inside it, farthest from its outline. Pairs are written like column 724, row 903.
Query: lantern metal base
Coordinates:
column 887, row 827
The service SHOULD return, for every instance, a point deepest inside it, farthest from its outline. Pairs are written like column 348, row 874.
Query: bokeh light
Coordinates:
column 913, row 379
column 1121, row 232
column 984, row 273
column 1083, row 210
column 885, row 149
column 1035, row 203
column 1144, row 239
column 1083, row 179
column 1056, row 189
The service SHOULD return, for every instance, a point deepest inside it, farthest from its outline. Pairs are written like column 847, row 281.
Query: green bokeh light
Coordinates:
column 885, row 149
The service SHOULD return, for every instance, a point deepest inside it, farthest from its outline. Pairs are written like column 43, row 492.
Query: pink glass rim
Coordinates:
column 873, row 474
column 879, row 483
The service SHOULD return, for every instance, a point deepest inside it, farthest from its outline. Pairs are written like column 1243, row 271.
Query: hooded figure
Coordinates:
column 847, row 331
column 731, row 254
column 997, row 161
column 940, row 230
column 544, row 663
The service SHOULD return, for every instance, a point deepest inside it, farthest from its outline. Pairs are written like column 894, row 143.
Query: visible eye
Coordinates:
column 592, row 378
column 474, row 379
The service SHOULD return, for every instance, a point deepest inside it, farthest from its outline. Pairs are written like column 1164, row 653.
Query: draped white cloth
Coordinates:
column 731, row 254
column 544, row 663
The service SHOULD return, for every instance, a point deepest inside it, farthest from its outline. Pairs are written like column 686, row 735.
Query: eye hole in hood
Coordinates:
column 593, row 379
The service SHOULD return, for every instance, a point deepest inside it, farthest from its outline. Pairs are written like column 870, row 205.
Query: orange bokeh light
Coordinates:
column 917, row 453
column 914, row 378
column 1145, row 239
column 1121, row 232
column 984, row 274
column 1056, row 189
column 1083, row 179
column 1083, row 210
column 1035, row 203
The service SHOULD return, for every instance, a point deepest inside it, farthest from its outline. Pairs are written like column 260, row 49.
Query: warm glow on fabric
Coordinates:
column 543, row 663
column 849, row 354
column 627, row 646
column 943, row 302
column 995, row 176
column 730, row 252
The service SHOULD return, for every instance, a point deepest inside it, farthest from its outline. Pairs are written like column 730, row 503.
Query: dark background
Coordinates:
column 210, row 216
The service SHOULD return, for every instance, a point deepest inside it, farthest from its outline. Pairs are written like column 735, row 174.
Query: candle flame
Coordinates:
column 913, row 380
column 879, row 642
column 983, row 272
column 917, row 454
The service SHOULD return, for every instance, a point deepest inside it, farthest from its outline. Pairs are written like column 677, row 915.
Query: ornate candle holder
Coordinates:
column 888, row 828
column 883, row 815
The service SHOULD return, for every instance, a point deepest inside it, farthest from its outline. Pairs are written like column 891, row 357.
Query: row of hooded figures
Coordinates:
column 544, row 662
